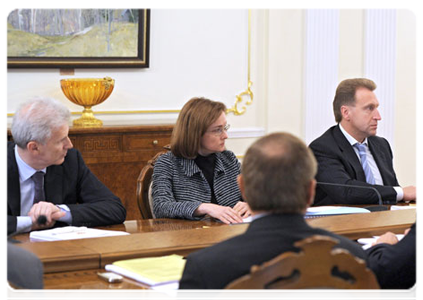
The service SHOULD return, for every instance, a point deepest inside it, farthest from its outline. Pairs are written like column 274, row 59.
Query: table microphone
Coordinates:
column 41, row 221
column 379, row 197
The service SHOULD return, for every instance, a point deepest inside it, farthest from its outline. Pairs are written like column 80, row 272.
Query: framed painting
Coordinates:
column 78, row 38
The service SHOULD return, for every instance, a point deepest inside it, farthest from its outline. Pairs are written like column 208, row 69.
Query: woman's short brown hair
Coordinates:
column 193, row 121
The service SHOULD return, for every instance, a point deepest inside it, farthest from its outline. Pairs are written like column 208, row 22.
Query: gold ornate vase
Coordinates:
column 87, row 92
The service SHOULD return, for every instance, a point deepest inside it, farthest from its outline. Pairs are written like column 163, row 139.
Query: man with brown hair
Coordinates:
column 350, row 153
column 277, row 181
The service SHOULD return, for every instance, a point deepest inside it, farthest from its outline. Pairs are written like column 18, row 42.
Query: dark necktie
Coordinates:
column 38, row 179
column 366, row 167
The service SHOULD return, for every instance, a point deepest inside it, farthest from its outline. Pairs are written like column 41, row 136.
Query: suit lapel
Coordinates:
column 349, row 153
column 219, row 163
column 379, row 157
column 53, row 184
column 189, row 166
column 13, row 186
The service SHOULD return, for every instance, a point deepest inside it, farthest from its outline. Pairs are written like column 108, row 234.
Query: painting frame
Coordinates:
column 142, row 59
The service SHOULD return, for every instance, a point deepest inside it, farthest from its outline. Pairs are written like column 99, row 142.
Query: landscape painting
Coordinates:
column 69, row 38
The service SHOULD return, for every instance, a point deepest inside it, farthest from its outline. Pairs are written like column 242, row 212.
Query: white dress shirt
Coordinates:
column 27, row 191
column 371, row 161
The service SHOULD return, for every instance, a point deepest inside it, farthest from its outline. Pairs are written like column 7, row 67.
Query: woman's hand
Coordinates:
column 243, row 209
column 225, row 214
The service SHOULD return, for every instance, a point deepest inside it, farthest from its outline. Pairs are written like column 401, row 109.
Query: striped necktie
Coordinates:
column 366, row 167
column 38, row 179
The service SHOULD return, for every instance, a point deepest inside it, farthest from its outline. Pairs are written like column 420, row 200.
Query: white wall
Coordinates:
column 405, row 130
column 204, row 53
column 288, row 70
column 193, row 53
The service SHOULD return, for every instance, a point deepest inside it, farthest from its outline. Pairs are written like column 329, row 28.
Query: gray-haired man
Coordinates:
column 46, row 177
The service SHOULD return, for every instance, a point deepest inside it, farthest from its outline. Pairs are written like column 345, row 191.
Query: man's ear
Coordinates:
column 241, row 185
column 32, row 146
column 345, row 111
column 311, row 192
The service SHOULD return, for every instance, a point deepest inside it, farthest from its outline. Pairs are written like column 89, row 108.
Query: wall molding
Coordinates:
column 320, row 70
column 380, row 64
column 250, row 132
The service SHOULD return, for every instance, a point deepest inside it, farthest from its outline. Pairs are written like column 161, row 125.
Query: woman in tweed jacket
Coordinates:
column 198, row 176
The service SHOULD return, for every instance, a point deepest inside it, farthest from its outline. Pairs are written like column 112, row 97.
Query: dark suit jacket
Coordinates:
column 91, row 203
column 395, row 265
column 266, row 237
column 24, row 268
column 338, row 163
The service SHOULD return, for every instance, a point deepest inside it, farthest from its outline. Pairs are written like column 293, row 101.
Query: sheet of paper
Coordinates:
column 71, row 233
column 368, row 242
column 247, row 219
column 400, row 207
column 334, row 210
column 151, row 270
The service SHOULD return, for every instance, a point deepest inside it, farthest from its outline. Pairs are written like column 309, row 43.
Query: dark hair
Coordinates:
column 345, row 94
column 277, row 171
column 193, row 121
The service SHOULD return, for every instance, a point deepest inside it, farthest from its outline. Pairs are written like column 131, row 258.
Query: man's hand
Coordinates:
column 47, row 209
column 243, row 209
column 225, row 214
column 387, row 238
column 409, row 193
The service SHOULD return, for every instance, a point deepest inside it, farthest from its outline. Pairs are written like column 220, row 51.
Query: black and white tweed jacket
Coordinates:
column 179, row 185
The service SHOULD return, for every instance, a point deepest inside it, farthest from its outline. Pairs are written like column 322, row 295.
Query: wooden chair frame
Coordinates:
column 143, row 186
column 313, row 267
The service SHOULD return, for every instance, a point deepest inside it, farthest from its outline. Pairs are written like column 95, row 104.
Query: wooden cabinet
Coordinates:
column 116, row 155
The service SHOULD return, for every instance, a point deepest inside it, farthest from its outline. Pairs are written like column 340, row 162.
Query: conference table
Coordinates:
column 73, row 264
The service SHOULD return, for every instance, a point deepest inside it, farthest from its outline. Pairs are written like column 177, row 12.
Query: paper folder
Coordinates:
column 151, row 270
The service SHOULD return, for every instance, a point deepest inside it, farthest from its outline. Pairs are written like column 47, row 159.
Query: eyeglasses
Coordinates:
column 219, row 131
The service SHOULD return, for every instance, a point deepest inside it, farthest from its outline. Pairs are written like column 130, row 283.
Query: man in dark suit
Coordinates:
column 46, row 177
column 350, row 153
column 277, row 182
column 24, row 268
column 393, row 262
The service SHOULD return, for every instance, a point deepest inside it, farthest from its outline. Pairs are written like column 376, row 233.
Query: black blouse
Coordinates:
column 206, row 165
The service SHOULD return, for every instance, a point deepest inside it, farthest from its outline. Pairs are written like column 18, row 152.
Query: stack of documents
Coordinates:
column 153, row 271
column 321, row 211
column 71, row 233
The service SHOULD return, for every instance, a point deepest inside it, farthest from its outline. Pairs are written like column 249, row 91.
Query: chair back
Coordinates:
column 17, row 293
column 144, row 182
column 317, row 265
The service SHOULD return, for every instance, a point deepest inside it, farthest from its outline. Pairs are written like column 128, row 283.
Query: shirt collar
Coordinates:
column 25, row 170
column 258, row 216
column 350, row 139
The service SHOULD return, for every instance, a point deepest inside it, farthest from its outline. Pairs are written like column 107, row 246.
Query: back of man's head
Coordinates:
column 277, row 172
column 36, row 118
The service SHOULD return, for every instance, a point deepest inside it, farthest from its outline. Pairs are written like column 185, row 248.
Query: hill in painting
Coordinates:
column 94, row 41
